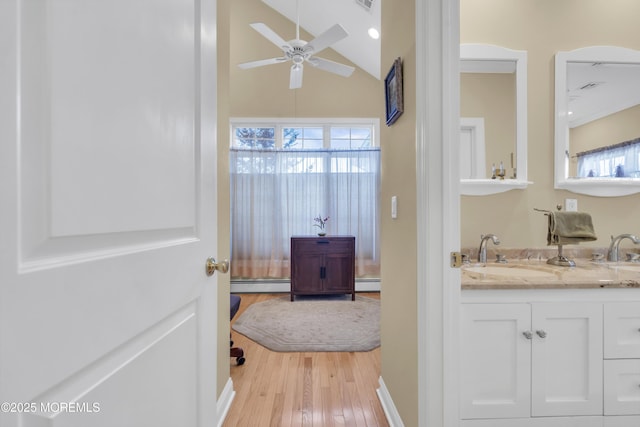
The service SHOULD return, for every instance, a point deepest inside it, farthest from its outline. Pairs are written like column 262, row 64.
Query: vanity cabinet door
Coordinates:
column 622, row 330
column 566, row 359
column 339, row 273
column 495, row 361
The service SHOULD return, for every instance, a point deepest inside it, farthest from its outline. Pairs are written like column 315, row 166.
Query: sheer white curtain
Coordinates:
column 619, row 160
column 275, row 194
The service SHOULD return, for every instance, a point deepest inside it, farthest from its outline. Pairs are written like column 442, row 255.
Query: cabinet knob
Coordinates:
column 541, row 333
column 527, row 334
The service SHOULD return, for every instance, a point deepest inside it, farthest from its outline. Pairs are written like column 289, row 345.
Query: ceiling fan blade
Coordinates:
column 260, row 63
column 271, row 35
column 331, row 66
column 295, row 77
column 324, row 40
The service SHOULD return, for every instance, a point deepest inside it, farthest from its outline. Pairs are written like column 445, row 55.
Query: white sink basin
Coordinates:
column 509, row 271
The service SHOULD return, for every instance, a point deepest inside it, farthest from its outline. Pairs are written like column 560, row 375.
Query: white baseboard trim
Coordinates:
column 390, row 411
column 224, row 401
column 274, row 286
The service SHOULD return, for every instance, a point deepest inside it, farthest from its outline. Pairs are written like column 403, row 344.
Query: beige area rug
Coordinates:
column 310, row 323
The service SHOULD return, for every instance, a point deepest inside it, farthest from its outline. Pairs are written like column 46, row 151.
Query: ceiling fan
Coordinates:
column 298, row 51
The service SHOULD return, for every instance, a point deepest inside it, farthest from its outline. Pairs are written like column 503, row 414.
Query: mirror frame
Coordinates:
column 487, row 52
column 602, row 187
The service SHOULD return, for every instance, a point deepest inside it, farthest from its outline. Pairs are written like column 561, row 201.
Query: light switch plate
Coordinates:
column 394, row 207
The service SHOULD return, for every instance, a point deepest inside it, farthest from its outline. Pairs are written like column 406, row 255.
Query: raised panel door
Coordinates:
column 567, row 359
column 107, row 317
column 495, row 361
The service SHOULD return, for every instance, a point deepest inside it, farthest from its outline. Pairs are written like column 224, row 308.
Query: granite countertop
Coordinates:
column 532, row 272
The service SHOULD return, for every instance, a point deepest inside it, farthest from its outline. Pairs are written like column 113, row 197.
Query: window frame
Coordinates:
column 326, row 123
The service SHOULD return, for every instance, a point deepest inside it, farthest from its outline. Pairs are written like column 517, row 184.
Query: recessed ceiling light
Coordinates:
column 374, row 34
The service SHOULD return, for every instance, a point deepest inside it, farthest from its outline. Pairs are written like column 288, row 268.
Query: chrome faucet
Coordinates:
column 615, row 244
column 482, row 252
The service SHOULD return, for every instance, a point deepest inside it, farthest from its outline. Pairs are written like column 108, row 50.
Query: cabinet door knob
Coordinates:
column 527, row 334
column 541, row 333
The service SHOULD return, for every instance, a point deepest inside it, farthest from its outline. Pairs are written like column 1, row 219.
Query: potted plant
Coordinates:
column 320, row 222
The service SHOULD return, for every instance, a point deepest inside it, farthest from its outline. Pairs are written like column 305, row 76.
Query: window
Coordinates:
column 285, row 173
column 291, row 136
column 618, row 160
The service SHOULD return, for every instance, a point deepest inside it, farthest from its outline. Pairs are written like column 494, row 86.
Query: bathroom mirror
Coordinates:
column 597, row 131
column 493, row 127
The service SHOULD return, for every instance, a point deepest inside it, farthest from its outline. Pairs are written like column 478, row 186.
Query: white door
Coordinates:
column 107, row 192
column 566, row 374
column 495, row 361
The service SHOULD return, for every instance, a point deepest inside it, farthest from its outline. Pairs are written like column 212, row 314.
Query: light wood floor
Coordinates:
column 303, row 389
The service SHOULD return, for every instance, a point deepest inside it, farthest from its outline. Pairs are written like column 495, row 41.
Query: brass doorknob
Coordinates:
column 212, row 266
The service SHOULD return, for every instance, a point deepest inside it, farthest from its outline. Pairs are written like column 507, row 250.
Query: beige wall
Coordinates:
column 543, row 27
column 264, row 92
column 398, row 236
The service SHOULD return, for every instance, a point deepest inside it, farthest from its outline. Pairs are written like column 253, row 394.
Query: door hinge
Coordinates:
column 456, row 259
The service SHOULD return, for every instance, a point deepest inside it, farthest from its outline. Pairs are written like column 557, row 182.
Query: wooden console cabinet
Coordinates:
column 323, row 265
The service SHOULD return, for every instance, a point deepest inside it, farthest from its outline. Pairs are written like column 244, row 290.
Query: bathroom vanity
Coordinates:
column 550, row 346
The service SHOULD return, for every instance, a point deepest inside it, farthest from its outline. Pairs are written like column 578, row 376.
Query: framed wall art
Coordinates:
column 393, row 92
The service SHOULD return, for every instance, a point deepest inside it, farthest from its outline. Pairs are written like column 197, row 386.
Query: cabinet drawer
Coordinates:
column 622, row 387
column 622, row 330
column 323, row 245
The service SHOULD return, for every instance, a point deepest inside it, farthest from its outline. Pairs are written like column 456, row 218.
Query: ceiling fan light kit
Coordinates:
column 299, row 51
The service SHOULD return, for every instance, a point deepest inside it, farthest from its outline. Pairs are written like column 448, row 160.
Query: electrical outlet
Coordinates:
column 571, row 205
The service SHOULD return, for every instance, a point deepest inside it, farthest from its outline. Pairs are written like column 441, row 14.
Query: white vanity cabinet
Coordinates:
column 526, row 360
column 550, row 358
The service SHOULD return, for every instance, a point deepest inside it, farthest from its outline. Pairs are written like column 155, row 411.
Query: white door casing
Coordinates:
column 107, row 162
